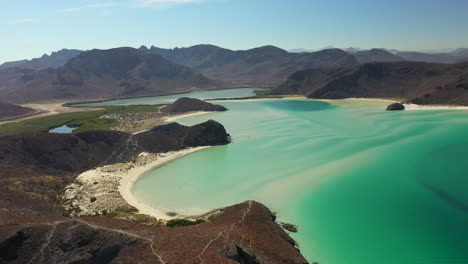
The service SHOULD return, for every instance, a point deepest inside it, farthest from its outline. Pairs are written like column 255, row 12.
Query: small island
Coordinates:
column 185, row 104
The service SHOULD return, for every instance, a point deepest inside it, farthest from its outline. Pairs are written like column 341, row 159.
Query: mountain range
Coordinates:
column 96, row 74
column 259, row 66
column 75, row 75
column 417, row 82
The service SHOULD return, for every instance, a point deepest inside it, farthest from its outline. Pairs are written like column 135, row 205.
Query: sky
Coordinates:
column 30, row 28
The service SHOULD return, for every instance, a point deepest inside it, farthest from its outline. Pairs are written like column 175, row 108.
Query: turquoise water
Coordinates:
column 364, row 185
column 62, row 130
column 167, row 99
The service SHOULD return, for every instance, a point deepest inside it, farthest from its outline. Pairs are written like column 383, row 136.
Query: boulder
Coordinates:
column 396, row 107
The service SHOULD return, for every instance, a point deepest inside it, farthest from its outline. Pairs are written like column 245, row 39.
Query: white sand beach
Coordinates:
column 409, row 106
column 109, row 187
column 172, row 118
column 128, row 180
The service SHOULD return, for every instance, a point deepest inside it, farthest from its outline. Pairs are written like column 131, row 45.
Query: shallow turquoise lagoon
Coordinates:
column 168, row 99
column 365, row 186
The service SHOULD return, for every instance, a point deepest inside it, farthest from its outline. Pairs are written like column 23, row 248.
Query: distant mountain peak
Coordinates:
column 376, row 55
column 54, row 60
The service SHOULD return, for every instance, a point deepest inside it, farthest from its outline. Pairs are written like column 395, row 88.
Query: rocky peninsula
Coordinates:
column 39, row 223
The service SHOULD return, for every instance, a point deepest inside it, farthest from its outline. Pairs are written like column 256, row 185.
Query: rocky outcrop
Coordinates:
column 243, row 233
column 418, row 82
column 185, row 104
column 395, row 107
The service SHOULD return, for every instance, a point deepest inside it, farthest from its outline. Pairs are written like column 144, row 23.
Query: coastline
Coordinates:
column 109, row 188
column 172, row 118
column 408, row 106
column 128, row 180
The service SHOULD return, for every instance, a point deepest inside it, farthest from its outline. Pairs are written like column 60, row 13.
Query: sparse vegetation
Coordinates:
column 75, row 210
column 183, row 222
column 212, row 217
column 126, row 210
column 259, row 94
column 84, row 121
column 111, row 214
column 93, row 199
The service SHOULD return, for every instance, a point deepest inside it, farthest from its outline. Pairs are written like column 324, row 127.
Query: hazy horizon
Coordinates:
column 289, row 50
column 31, row 28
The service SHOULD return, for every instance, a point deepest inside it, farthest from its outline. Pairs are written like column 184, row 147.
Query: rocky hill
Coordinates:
column 422, row 83
column 263, row 65
column 8, row 111
column 185, row 104
column 102, row 74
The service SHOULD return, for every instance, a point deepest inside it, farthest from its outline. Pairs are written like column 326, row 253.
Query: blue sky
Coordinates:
column 31, row 28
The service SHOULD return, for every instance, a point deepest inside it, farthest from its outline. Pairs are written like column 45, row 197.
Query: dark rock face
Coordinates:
column 289, row 227
column 185, row 104
column 175, row 136
column 421, row 83
column 396, row 107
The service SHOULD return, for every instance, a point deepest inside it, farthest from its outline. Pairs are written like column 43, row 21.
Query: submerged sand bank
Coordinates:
column 172, row 118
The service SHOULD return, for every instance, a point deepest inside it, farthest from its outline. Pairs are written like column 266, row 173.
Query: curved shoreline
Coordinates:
column 112, row 185
column 128, row 181
column 109, row 188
